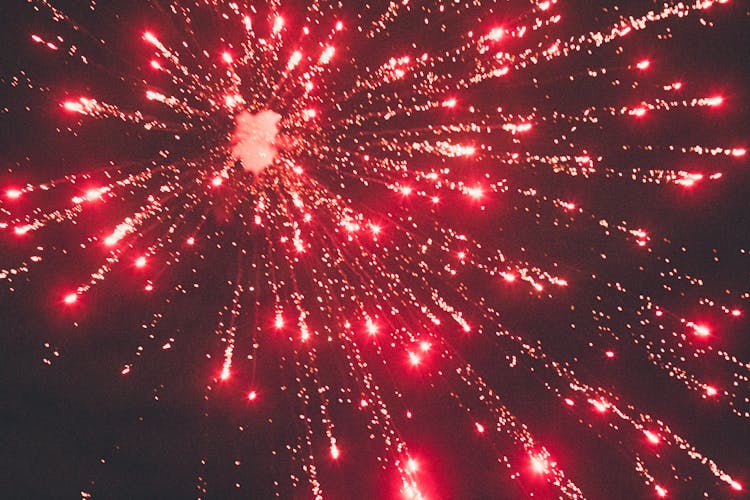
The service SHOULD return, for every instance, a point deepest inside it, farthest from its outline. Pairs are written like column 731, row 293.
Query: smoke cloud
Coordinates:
column 253, row 139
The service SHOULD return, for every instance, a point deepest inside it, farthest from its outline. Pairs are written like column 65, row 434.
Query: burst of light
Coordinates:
column 414, row 359
column 372, row 125
column 652, row 438
column 327, row 55
column 539, row 464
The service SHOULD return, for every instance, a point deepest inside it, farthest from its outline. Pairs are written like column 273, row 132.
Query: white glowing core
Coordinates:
column 253, row 139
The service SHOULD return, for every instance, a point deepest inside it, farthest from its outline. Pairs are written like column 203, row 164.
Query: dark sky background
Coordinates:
column 78, row 425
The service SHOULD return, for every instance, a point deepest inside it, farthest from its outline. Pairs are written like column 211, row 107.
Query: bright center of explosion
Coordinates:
column 253, row 139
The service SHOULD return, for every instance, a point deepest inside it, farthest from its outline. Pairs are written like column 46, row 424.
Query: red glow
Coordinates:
column 735, row 485
column 701, row 330
column 480, row 428
column 638, row 112
column 569, row 402
column 227, row 58
column 739, row 152
column 539, row 465
column 661, row 491
column 71, row 298
column 335, row 453
column 225, row 373
column 736, row 313
column 252, row 396
column 710, row 391
column 73, row 106
column 339, row 26
column 610, row 354
column 659, row 313
column 414, row 359
column 449, row 103
column 155, row 64
column 140, row 261
column 13, row 194
column 644, row 64
column 190, row 241
column 714, row 101
column 652, row 438
column 216, row 181
column 600, row 406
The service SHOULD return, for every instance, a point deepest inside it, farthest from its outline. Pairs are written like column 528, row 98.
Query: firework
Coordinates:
column 387, row 209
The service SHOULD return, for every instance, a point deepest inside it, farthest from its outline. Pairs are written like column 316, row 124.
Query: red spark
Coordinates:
column 643, row 64
column 539, row 464
column 13, row 194
column 480, row 428
column 661, row 491
column 449, row 103
column 652, row 438
column 71, row 298
column 251, row 396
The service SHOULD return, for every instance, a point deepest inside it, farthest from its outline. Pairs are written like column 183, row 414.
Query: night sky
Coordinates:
column 487, row 251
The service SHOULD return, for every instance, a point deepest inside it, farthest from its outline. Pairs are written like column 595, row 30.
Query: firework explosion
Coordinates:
column 426, row 248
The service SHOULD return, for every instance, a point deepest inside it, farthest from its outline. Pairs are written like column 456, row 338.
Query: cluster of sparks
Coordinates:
column 369, row 198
